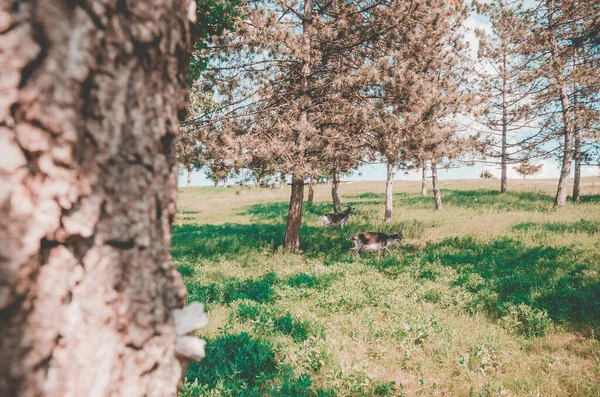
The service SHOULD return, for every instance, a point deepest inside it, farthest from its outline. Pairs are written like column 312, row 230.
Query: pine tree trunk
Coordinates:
column 424, row 179
column 311, row 191
column 577, row 177
column 389, row 192
column 291, row 241
column 335, row 186
column 190, row 169
column 577, row 154
column 563, row 182
column 436, row 187
column 91, row 95
column 281, row 180
column 503, row 176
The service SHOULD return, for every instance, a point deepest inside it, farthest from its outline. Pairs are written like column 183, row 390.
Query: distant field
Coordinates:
column 497, row 295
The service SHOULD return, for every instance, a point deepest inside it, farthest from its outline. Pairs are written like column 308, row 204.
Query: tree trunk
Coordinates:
column 389, row 192
column 565, row 172
column 281, row 180
column 311, row 191
column 436, row 187
column 291, row 241
column 424, row 179
column 190, row 169
column 503, row 176
column 577, row 155
column 335, row 186
column 91, row 95
column 577, row 177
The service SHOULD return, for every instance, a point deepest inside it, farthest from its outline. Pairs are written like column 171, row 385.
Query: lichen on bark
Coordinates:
column 90, row 100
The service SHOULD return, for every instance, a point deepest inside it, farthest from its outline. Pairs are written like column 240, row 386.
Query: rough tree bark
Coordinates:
column 436, row 187
column 335, row 186
column 577, row 176
column 291, row 240
column 563, row 183
column 577, row 138
column 424, row 179
column 90, row 97
column 190, row 169
column 503, row 165
column 311, row 191
column 389, row 192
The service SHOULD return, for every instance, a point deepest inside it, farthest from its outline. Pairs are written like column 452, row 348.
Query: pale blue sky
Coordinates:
column 377, row 172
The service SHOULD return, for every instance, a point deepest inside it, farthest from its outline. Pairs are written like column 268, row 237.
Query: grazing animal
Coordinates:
column 372, row 241
column 336, row 219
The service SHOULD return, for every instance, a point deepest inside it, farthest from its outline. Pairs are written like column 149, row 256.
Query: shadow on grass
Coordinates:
column 192, row 242
column 277, row 212
column 581, row 226
column 231, row 289
column 241, row 365
column 481, row 198
column 592, row 198
column 509, row 278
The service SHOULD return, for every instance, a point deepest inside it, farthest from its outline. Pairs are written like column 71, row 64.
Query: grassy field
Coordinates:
column 497, row 295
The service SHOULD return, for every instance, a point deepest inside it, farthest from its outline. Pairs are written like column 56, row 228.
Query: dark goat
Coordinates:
column 336, row 219
column 372, row 241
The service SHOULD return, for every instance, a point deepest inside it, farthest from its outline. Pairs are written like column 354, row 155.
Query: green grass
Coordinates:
column 496, row 295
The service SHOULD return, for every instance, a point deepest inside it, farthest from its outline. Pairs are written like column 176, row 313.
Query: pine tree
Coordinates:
column 507, row 112
column 421, row 89
column 286, row 84
column 559, row 29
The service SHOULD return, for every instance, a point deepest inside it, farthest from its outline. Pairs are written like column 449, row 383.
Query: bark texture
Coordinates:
column 565, row 172
column 90, row 97
column 436, row 187
column 577, row 176
column 291, row 241
column 311, row 191
column 577, row 138
column 189, row 176
column 335, row 187
column 389, row 192
column 424, row 179
column 503, row 157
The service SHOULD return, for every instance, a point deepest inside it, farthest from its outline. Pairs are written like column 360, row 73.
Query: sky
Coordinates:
column 377, row 172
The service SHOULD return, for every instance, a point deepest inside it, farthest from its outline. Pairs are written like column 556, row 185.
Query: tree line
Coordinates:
column 320, row 87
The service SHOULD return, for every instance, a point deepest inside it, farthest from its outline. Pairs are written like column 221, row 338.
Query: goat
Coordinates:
column 334, row 219
column 372, row 241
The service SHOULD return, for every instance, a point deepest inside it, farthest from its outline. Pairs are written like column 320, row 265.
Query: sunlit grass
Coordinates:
column 496, row 295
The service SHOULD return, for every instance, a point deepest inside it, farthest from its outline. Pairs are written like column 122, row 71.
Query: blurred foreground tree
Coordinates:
column 92, row 93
